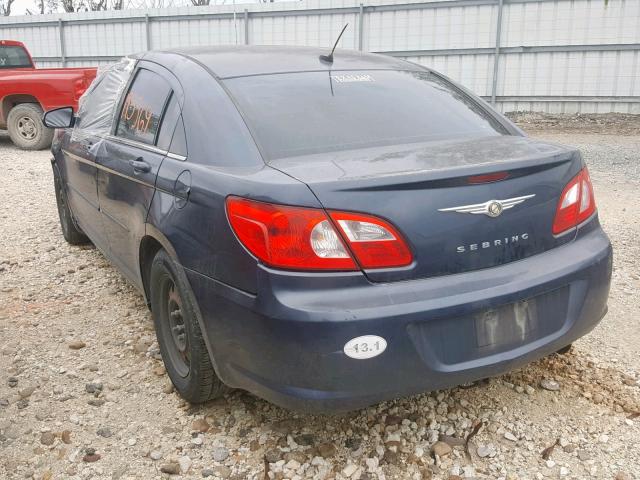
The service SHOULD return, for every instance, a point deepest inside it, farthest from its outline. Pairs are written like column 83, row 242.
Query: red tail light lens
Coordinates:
column 374, row 242
column 306, row 239
column 576, row 204
column 288, row 237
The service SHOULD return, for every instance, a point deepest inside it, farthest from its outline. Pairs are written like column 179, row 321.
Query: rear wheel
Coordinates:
column 70, row 231
column 26, row 129
column 182, row 345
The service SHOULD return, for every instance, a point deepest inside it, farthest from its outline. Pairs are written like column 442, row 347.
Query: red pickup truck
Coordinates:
column 27, row 92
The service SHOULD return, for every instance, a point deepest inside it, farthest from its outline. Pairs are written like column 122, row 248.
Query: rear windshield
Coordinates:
column 313, row 112
column 14, row 57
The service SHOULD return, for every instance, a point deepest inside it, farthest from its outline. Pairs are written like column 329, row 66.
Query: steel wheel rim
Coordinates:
column 173, row 316
column 27, row 128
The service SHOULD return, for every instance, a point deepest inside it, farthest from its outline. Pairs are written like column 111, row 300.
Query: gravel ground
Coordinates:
column 83, row 393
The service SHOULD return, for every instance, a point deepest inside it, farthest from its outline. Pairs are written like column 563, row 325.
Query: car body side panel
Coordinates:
column 199, row 231
column 125, row 196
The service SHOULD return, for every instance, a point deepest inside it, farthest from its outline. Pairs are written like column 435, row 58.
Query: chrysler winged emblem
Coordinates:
column 491, row 208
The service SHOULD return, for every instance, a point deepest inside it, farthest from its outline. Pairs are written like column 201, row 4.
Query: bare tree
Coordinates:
column 153, row 3
column 43, row 6
column 5, row 7
column 71, row 6
column 199, row 3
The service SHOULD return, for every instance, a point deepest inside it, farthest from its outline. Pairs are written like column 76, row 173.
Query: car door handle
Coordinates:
column 140, row 166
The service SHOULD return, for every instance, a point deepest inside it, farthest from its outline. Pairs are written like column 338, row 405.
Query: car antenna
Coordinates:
column 329, row 58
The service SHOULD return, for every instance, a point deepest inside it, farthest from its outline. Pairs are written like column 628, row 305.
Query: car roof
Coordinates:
column 240, row 61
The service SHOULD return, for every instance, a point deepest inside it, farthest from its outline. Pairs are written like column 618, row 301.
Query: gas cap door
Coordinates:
column 182, row 189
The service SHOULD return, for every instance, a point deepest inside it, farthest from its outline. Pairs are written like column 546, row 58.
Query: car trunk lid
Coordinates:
column 439, row 196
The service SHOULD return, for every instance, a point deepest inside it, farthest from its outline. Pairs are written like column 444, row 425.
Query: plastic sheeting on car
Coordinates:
column 98, row 104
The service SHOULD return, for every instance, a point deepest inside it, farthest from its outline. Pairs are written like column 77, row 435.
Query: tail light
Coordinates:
column 576, row 204
column 303, row 238
column 374, row 242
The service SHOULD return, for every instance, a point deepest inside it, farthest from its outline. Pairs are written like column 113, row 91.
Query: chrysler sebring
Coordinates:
column 328, row 233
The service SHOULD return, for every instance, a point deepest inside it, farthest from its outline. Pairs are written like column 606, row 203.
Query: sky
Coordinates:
column 20, row 7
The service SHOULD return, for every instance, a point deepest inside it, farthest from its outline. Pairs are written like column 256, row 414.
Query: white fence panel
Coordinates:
column 551, row 55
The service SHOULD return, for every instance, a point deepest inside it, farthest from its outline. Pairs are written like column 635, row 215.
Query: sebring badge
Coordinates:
column 492, row 208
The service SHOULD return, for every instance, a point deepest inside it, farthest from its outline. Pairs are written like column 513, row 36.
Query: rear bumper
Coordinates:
column 285, row 344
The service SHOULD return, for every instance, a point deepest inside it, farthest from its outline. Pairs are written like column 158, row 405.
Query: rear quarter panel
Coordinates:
column 222, row 160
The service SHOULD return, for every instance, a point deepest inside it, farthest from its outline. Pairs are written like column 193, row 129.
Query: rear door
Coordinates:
column 130, row 160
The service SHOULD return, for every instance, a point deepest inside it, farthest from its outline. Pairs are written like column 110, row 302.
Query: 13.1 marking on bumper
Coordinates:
column 364, row 347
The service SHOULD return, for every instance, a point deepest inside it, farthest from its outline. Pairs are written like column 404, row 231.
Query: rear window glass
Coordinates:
column 314, row 112
column 142, row 108
column 14, row 57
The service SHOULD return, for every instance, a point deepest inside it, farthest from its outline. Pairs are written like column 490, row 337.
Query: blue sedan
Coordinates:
column 328, row 232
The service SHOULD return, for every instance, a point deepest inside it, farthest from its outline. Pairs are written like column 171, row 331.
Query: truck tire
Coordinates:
column 70, row 231
column 26, row 129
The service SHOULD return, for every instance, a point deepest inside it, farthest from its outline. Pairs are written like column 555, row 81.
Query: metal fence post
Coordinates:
column 246, row 26
column 63, row 50
column 496, row 53
column 147, row 31
column 360, row 27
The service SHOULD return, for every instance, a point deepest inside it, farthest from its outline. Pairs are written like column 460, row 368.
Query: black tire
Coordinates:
column 26, row 129
column 182, row 345
column 565, row 350
column 70, row 231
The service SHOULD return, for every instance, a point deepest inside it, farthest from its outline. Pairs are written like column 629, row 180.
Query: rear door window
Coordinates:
column 171, row 137
column 179, row 140
column 142, row 107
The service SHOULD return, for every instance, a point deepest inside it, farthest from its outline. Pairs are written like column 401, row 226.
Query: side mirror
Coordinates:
column 59, row 118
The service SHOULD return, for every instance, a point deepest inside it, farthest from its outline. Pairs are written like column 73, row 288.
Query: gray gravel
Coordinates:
column 83, row 393
column 608, row 158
